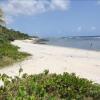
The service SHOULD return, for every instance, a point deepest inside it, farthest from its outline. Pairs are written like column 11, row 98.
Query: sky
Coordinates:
column 53, row 17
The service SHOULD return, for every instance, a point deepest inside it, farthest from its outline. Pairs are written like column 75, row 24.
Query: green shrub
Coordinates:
column 9, row 53
column 11, row 35
column 49, row 87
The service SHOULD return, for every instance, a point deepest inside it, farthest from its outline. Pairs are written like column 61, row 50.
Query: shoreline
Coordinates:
column 83, row 63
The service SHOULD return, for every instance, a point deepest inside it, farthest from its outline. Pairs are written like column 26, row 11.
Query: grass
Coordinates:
column 9, row 53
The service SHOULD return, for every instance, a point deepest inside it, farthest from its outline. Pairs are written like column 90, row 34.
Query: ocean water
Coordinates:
column 85, row 42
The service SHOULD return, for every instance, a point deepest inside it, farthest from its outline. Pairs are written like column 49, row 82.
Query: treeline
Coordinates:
column 8, row 52
column 10, row 34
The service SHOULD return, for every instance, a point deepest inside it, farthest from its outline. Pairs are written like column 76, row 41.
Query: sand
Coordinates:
column 56, row 59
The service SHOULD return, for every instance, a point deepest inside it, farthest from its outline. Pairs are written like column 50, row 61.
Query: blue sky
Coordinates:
column 53, row 17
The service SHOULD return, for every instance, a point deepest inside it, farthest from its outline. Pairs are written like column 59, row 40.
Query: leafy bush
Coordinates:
column 10, row 34
column 9, row 53
column 46, row 86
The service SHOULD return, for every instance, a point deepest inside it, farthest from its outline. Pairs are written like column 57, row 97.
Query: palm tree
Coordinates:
column 2, row 21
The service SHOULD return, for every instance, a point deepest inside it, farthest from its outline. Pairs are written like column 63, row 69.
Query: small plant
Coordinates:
column 46, row 72
column 20, row 70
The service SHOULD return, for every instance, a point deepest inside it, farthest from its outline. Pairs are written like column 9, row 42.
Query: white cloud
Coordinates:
column 23, row 7
column 9, row 19
column 93, row 28
column 33, row 7
column 98, row 2
column 79, row 29
column 60, row 4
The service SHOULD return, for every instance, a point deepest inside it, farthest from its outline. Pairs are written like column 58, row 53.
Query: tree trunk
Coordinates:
column 0, row 29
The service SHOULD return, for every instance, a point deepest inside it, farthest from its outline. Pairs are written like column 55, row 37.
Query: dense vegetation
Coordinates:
column 10, row 34
column 9, row 53
column 48, row 87
column 2, row 20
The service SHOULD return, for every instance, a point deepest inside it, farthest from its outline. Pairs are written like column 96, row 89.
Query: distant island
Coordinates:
column 96, row 36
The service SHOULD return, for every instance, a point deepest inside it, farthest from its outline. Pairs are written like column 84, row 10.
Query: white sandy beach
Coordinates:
column 84, row 63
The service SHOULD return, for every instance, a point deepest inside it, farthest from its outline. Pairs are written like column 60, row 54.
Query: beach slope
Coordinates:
column 84, row 63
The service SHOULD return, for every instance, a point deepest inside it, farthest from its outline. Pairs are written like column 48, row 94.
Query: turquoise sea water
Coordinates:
column 85, row 42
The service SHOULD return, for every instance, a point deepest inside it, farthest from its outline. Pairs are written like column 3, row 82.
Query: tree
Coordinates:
column 2, row 21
